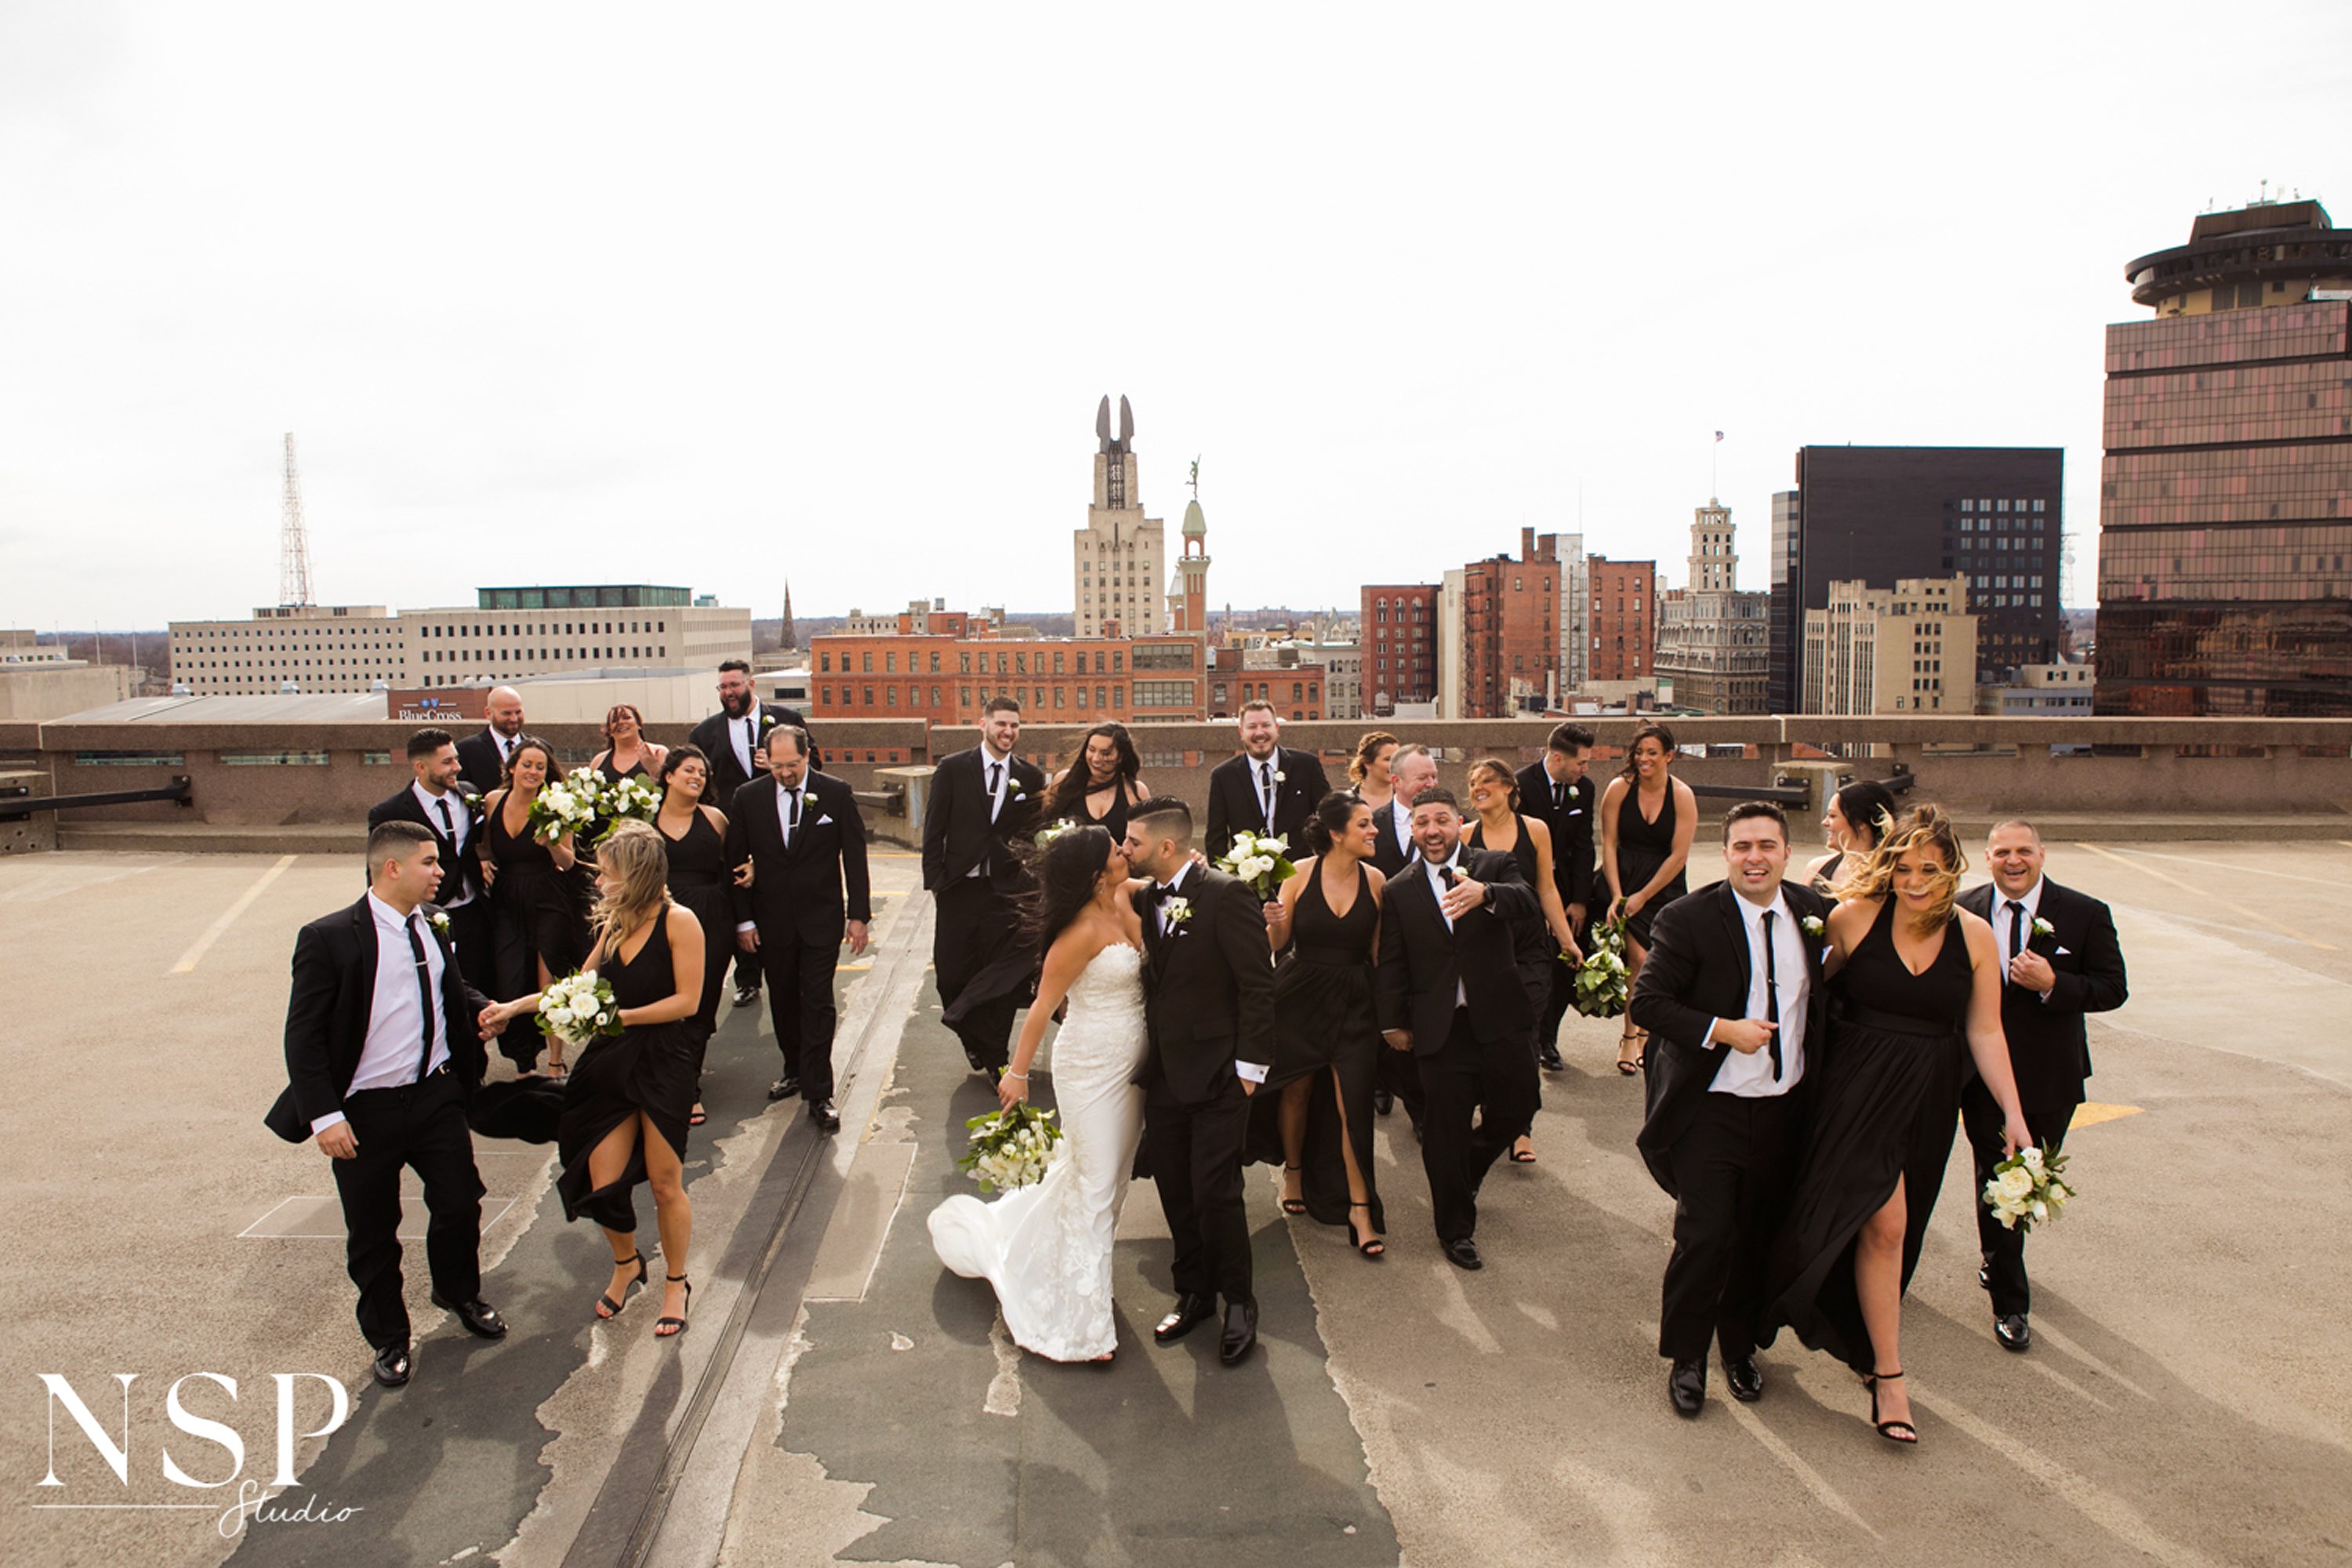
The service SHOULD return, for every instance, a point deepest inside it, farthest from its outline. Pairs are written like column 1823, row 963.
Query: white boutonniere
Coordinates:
column 472, row 802
column 2043, row 928
column 1013, row 790
column 1281, row 777
column 439, row 921
column 767, row 719
column 1813, row 924
column 1176, row 911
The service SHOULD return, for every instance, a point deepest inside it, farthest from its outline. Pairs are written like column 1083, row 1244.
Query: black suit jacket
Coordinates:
column 459, row 871
column 2049, row 1046
column 819, row 884
column 480, row 763
column 1233, row 799
column 1395, row 851
column 957, row 832
column 1697, row 972
column 327, row 1017
column 1421, row 961
column 1209, row 987
column 1571, row 830
column 727, row 774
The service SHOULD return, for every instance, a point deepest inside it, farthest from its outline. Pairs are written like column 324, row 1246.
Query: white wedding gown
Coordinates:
column 1047, row 1247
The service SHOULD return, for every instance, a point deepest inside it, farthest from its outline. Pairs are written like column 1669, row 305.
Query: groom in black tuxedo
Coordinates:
column 1448, row 990
column 1267, row 788
column 2059, row 961
column 1733, row 988
column 735, row 739
column 983, row 803
column 1555, row 791
column 1209, row 1010
column 439, row 800
column 384, row 1052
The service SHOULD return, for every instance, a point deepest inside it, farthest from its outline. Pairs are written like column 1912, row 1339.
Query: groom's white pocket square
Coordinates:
column 820, row 822
column 2061, row 952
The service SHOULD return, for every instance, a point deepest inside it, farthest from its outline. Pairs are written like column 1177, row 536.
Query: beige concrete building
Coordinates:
column 1908, row 649
column 507, row 634
column 1714, row 642
column 2040, row 691
column 1119, row 561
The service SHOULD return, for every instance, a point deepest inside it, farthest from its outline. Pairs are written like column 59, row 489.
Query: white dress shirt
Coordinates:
column 1403, row 815
column 743, row 735
column 786, row 797
column 1003, row 766
column 1262, row 783
column 459, row 825
column 2033, row 902
column 505, row 743
column 1748, row 1074
column 388, row 1060
column 1174, row 888
column 1437, row 885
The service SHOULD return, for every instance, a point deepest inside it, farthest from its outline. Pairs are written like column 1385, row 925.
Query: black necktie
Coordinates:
column 1556, row 787
column 506, row 749
column 793, row 827
column 424, row 993
column 2016, row 934
column 449, row 828
column 1772, row 995
column 1265, row 792
column 993, row 769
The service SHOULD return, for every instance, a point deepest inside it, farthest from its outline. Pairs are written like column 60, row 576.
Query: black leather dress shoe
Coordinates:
column 1382, row 1102
column 1190, row 1313
column 1464, row 1254
column 481, row 1318
column 392, row 1365
column 827, row 1117
column 1984, row 1277
column 1745, row 1379
column 1241, row 1332
column 1551, row 1060
column 974, row 1058
column 2013, row 1333
column 746, row 995
column 1687, row 1387
column 783, row 1088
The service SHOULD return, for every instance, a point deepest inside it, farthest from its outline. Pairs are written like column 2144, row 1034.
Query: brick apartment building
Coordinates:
column 1624, row 618
column 1400, row 644
column 1510, row 631
column 1056, row 681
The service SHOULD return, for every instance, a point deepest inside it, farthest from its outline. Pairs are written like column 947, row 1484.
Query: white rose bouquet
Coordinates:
column 2028, row 1189
column 631, row 799
column 562, row 809
column 1261, row 859
column 578, row 1008
column 1045, row 835
column 1011, row 1148
column 1603, row 981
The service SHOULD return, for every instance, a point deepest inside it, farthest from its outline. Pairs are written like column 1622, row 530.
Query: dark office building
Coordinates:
column 1874, row 514
column 2225, row 501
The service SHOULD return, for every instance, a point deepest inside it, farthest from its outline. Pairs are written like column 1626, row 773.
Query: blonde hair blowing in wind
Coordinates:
column 634, row 858
column 1870, row 875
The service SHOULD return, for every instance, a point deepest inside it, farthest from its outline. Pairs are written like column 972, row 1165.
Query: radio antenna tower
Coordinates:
column 293, row 539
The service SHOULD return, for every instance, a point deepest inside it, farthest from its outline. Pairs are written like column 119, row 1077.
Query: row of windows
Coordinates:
column 2001, row 505
column 544, row 629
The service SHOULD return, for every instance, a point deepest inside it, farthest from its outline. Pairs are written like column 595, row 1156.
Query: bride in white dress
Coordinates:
column 1046, row 1249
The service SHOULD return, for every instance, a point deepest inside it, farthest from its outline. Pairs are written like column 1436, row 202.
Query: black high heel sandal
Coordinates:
column 674, row 1279
column 1371, row 1246
column 1627, row 1036
column 606, row 1308
column 1293, row 1206
column 1893, row 1431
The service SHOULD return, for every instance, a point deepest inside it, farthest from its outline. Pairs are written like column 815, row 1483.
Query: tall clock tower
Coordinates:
column 1116, row 561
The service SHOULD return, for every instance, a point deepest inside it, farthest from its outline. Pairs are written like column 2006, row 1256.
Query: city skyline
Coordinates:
column 544, row 322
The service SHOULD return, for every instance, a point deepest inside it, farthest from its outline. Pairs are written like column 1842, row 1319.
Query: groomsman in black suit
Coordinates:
column 482, row 758
column 1448, row 990
column 1556, row 792
column 2059, row 961
column 1209, row 1010
column 981, row 802
column 383, row 1051
column 735, row 740
column 1267, row 788
column 1733, row 989
column 438, row 799
column 1411, row 771
column 801, row 836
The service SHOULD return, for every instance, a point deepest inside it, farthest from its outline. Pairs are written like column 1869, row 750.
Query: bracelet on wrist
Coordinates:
column 1022, row 1075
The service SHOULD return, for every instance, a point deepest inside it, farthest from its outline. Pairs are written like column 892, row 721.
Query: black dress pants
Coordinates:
column 421, row 1127
column 974, row 927
column 2004, row 1250
column 799, row 978
column 1195, row 1153
column 475, row 936
column 1733, row 1166
column 1457, row 1080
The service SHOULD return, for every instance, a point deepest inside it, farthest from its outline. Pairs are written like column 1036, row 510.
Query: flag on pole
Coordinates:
column 1719, row 435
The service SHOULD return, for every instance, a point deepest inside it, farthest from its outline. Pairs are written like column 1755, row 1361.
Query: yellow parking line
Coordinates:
column 214, row 931
column 2147, row 871
column 2090, row 1113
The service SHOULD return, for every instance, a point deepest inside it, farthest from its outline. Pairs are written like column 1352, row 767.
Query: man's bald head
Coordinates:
column 504, row 711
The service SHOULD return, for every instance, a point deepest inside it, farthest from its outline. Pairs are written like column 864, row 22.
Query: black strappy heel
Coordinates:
column 1293, row 1206
column 1365, row 1242
column 1893, row 1431
column 674, row 1279
column 606, row 1308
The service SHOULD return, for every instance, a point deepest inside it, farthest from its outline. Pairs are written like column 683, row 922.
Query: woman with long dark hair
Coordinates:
column 1099, row 785
column 1858, row 813
column 1314, row 1113
column 540, row 934
column 694, row 837
column 1647, row 819
column 1046, row 1249
column 1917, row 985
column 1541, row 942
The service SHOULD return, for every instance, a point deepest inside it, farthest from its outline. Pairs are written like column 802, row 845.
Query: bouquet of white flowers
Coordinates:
column 1602, row 979
column 1045, row 835
column 631, row 799
column 1011, row 1148
column 562, row 809
column 2028, row 1189
column 577, row 1009
column 1261, row 859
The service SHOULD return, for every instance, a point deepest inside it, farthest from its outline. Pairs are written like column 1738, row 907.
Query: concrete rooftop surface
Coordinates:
column 841, row 1398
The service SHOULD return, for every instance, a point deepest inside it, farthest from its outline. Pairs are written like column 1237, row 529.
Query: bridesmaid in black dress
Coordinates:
column 1495, row 798
column 694, row 837
column 1314, row 1113
column 538, row 931
column 1101, row 785
column 1647, row 819
column 625, row 1111
column 1857, row 813
column 1915, row 985
column 627, row 754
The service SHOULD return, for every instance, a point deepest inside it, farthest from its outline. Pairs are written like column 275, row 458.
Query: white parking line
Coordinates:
column 219, row 927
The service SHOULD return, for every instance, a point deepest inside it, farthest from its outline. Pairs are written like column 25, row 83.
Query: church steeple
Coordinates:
column 788, row 637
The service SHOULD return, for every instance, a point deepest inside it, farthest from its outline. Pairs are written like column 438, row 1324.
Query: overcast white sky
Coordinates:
column 715, row 296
